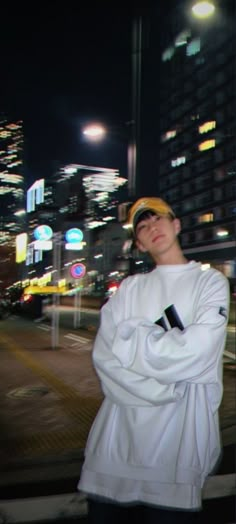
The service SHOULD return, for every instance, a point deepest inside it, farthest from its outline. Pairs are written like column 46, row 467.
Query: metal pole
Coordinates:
column 134, row 143
column 77, row 309
column 56, row 296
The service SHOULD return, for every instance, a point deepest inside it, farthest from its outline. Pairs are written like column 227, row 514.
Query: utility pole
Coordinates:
column 134, row 144
column 56, row 296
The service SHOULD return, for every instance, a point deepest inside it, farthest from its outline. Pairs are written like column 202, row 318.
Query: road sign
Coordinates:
column 78, row 270
column 43, row 232
column 74, row 235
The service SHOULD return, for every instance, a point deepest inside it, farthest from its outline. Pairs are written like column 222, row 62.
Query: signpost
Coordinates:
column 56, row 296
column 45, row 239
column 77, row 271
column 77, row 309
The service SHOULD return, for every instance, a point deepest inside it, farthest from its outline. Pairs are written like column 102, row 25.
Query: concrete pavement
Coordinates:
column 48, row 397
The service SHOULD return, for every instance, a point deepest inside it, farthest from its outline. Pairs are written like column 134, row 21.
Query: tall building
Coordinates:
column 76, row 197
column 12, row 212
column 11, row 180
column 194, row 161
column 41, row 210
column 88, row 198
column 88, row 192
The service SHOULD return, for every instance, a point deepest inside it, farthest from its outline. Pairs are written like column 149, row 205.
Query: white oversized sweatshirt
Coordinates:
column 156, row 436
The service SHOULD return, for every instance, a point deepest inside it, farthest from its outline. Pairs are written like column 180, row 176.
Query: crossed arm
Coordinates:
column 139, row 363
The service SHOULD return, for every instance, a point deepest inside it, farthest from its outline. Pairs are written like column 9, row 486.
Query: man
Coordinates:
column 158, row 354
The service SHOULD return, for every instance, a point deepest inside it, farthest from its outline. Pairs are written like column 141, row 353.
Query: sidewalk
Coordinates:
column 48, row 400
column 49, row 397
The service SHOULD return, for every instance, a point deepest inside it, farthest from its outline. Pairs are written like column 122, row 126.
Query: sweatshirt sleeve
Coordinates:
column 120, row 383
column 176, row 356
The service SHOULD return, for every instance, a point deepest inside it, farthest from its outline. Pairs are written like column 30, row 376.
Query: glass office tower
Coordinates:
column 198, row 131
column 188, row 117
column 11, row 180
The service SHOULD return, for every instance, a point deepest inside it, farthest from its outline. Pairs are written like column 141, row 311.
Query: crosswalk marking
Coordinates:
column 229, row 355
column 44, row 328
column 77, row 338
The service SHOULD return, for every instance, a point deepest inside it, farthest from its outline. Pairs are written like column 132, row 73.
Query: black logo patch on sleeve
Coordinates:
column 223, row 312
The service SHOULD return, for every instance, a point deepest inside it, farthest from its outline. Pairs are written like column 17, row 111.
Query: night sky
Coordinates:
column 61, row 67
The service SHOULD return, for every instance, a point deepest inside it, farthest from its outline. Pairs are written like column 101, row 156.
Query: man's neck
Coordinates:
column 174, row 257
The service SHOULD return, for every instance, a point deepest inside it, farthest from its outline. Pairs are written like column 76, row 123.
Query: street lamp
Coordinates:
column 203, row 9
column 94, row 132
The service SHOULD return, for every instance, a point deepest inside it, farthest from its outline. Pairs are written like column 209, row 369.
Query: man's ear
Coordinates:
column 177, row 225
column 140, row 246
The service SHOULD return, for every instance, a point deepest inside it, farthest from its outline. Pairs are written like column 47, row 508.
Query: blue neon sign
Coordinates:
column 74, row 235
column 43, row 232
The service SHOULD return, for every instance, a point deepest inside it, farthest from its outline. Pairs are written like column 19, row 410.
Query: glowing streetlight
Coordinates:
column 97, row 132
column 94, row 132
column 203, row 9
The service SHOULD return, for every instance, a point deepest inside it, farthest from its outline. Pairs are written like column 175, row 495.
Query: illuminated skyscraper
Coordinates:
column 198, row 130
column 76, row 196
column 89, row 192
column 11, row 180
column 188, row 121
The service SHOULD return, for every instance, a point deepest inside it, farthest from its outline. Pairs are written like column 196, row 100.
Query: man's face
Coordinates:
column 156, row 234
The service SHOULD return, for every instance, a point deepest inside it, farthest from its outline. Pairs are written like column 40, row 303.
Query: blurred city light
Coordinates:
column 20, row 212
column 222, row 233
column 203, row 9
column 205, row 266
column 94, row 132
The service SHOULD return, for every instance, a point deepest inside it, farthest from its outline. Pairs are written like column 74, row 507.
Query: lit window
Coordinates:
column 193, row 47
column 178, row 161
column 194, row 117
column 222, row 233
column 168, row 135
column 208, row 217
column 168, row 53
column 208, row 144
column 182, row 38
column 4, row 134
column 208, row 126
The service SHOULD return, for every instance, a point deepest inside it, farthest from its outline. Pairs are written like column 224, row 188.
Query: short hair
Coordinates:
column 148, row 213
